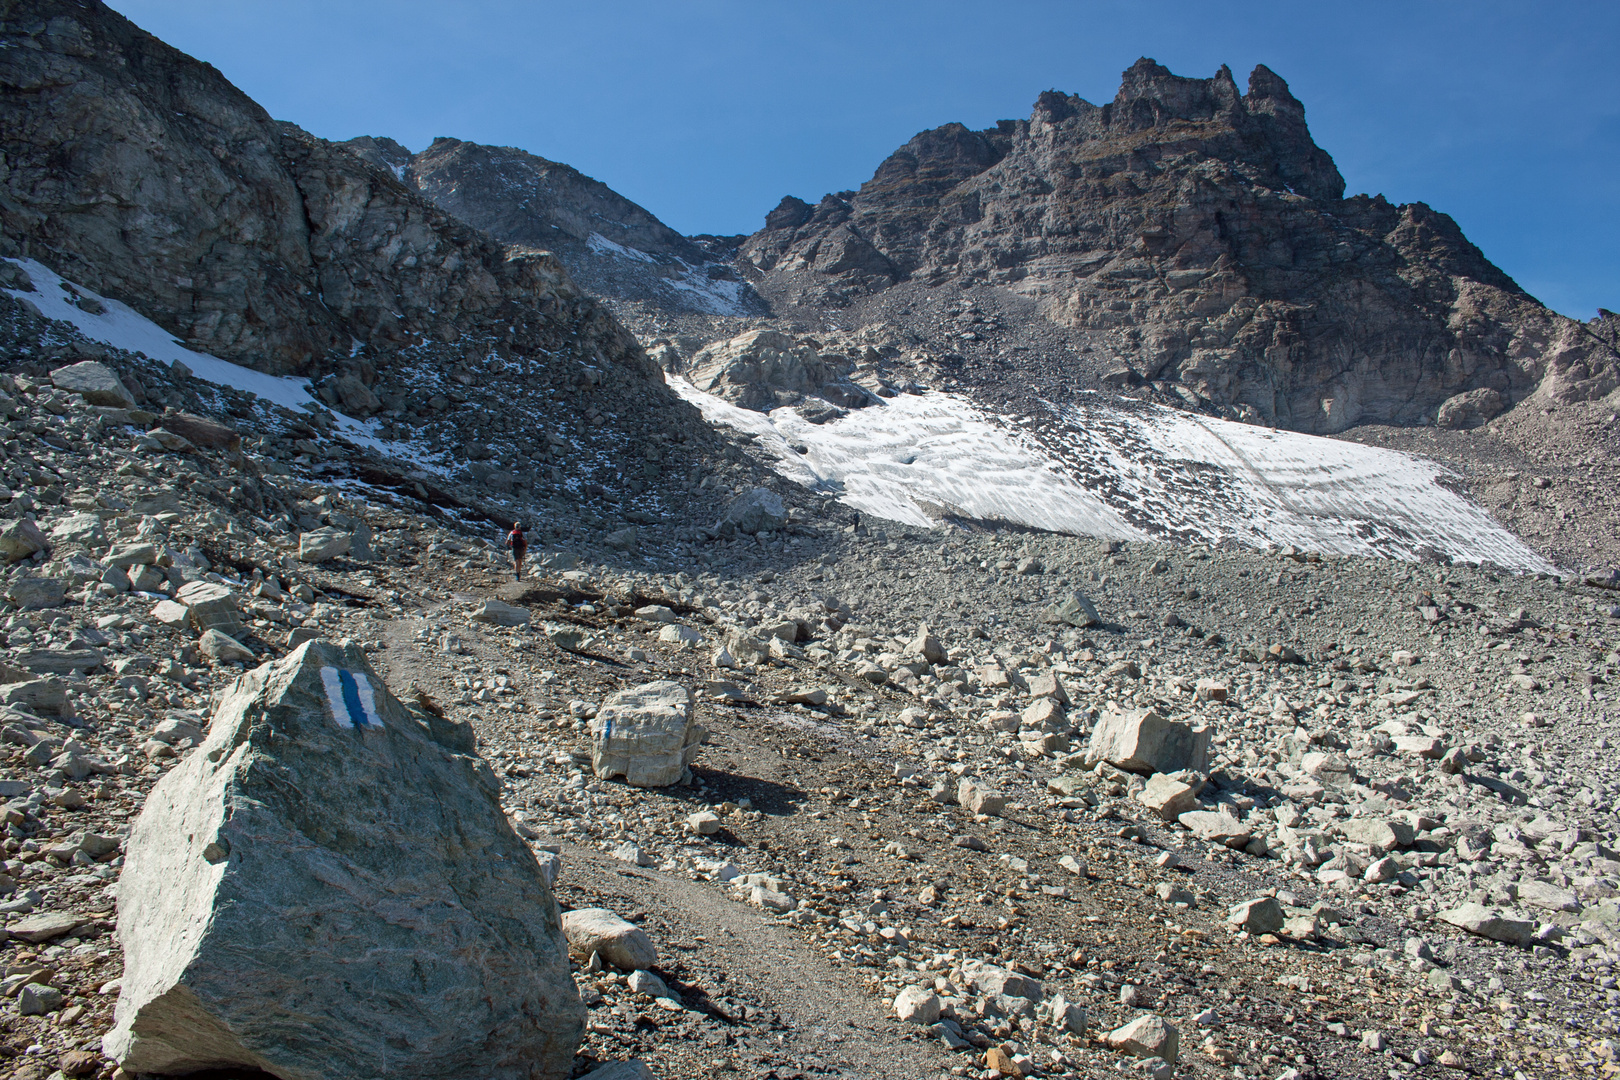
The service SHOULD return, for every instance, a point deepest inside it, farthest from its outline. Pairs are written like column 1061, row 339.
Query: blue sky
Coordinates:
column 1504, row 115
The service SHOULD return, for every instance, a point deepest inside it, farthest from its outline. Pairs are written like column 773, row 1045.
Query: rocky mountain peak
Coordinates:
column 1191, row 239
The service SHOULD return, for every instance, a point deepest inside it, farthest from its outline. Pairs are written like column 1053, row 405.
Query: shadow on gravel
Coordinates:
column 768, row 796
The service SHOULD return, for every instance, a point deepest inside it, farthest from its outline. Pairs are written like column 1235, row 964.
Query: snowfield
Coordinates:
column 1126, row 470
column 1095, row 467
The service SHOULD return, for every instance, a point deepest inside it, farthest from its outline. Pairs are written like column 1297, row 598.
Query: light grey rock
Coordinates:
column 618, row 942
column 1168, row 796
column 756, row 511
column 1490, row 923
column 211, row 606
column 97, row 383
column 1075, row 610
column 646, row 735
column 917, row 1005
column 1547, row 896
column 1386, row 834
column 322, row 838
column 40, row 695
column 36, row 593
column 994, row 981
column 1469, row 409
column 1262, row 915
column 976, row 797
column 1147, row 1036
column 567, row 637
column 85, row 529
column 222, row 648
column 1145, row 742
column 1217, row 827
column 632, row 1069
column 324, row 544
column 48, row 926
column 37, row 999
column 626, row 539
column 20, row 539
column 125, row 556
column 499, row 613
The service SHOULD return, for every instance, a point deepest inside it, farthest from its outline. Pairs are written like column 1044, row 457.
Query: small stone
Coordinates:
column 916, row 1005
column 1373, row 1042
column 703, row 823
column 1147, row 1037
column 37, row 1000
column 222, row 648
column 1262, row 915
column 499, row 613
column 1490, row 923
column 978, row 799
column 622, row 944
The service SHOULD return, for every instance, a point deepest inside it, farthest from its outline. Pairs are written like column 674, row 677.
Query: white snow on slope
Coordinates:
column 693, row 285
column 124, row 328
column 1127, row 471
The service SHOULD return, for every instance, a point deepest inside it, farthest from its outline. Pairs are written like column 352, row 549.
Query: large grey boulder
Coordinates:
column 211, row 606
column 1075, row 610
column 97, row 383
column 1145, row 742
column 646, row 735
column 1490, row 923
column 323, row 544
column 20, row 539
column 1469, row 409
column 329, row 883
column 757, row 511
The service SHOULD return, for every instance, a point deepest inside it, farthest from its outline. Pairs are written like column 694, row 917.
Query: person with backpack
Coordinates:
column 519, row 543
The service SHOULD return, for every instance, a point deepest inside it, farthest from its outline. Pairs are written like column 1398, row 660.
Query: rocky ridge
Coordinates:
column 1195, row 239
column 613, row 247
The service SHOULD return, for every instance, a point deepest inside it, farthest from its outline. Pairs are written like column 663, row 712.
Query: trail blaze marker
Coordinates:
column 349, row 693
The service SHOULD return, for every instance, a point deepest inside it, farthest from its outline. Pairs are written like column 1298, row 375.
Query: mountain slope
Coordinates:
column 612, row 246
column 1194, row 237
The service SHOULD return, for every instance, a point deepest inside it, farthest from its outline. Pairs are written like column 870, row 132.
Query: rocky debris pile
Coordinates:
column 317, row 791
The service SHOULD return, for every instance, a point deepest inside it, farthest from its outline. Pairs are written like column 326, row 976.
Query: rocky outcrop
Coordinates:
column 611, row 245
column 1196, row 238
column 330, row 882
column 146, row 176
column 763, row 369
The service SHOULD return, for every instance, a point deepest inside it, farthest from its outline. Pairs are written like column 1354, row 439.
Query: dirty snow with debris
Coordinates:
column 1127, row 470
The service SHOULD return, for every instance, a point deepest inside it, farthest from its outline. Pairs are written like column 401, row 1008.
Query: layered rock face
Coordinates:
column 614, row 247
column 145, row 175
column 1199, row 239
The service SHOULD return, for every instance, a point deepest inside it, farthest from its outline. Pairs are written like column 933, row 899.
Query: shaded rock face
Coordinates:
column 328, row 883
column 611, row 245
column 146, row 176
column 1200, row 239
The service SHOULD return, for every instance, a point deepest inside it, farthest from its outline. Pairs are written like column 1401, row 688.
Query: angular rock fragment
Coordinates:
column 1145, row 742
column 1262, row 915
column 1075, row 610
column 975, row 798
column 646, row 735
column 759, row 510
column 1168, row 796
column 97, row 383
column 497, row 613
column 618, row 942
column 1145, row 1037
column 20, row 539
column 1490, row 923
column 324, row 544
column 323, row 886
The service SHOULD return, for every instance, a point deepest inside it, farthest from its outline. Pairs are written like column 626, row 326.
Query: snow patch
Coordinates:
column 124, row 328
column 1097, row 468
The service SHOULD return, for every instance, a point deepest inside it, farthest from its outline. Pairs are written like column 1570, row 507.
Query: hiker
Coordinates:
column 519, row 544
